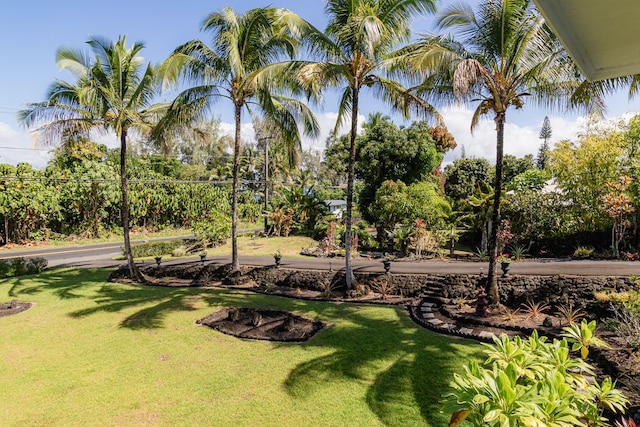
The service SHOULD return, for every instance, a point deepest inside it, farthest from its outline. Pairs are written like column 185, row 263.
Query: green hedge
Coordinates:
column 12, row 267
column 142, row 250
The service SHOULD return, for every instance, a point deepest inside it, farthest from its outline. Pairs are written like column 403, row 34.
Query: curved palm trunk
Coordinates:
column 492, row 278
column 133, row 270
column 235, row 264
column 350, row 178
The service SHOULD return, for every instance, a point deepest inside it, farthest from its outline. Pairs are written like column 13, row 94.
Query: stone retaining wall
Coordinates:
column 514, row 290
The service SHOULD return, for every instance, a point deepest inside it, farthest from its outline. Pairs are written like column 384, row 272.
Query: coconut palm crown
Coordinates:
column 500, row 56
column 247, row 64
column 113, row 92
column 354, row 54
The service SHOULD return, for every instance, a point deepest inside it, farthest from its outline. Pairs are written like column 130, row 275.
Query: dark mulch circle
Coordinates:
column 262, row 324
column 14, row 307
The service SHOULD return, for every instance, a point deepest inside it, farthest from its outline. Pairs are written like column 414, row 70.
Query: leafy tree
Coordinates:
column 390, row 153
column 513, row 166
column 358, row 39
column 542, row 219
column 499, row 54
column 396, row 203
column 542, row 161
column 466, row 176
column 113, row 92
column 241, row 65
column 583, row 169
column 531, row 179
column 618, row 207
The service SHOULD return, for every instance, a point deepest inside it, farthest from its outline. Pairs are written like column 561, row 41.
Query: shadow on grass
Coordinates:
column 89, row 284
column 409, row 367
column 64, row 283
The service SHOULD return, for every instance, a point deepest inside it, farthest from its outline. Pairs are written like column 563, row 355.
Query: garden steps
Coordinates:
column 429, row 315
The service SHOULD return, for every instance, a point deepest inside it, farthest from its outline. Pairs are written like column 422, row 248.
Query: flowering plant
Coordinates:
column 503, row 258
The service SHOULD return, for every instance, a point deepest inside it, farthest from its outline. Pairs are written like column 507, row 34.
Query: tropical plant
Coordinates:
column 518, row 251
column 358, row 39
column 213, row 230
column 112, row 93
column 570, row 314
column 244, row 64
column 582, row 252
column 499, row 54
column 582, row 336
column 535, row 309
column 530, row 382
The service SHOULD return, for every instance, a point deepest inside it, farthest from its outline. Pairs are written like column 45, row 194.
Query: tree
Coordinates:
column 245, row 65
column 359, row 38
column 498, row 55
column 542, row 161
column 467, row 176
column 582, row 170
column 396, row 203
column 513, row 166
column 113, row 92
column 387, row 152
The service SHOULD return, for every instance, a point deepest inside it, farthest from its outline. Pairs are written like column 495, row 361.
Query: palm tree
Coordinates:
column 504, row 54
column 246, row 65
column 359, row 38
column 112, row 93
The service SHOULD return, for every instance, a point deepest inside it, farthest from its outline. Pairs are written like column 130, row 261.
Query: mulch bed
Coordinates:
column 14, row 307
column 261, row 324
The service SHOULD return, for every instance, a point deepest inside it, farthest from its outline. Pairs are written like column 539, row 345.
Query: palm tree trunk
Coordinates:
column 350, row 178
column 492, row 279
column 235, row 264
column 133, row 270
column 6, row 229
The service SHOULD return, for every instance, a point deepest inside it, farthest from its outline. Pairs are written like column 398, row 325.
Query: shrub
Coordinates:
column 531, row 382
column 36, row 265
column 179, row 251
column 13, row 267
column 214, row 231
column 154, row 249
column 583, row 252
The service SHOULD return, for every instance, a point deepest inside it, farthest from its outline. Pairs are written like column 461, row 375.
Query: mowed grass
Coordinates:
column 96, row 353
column 266, row 246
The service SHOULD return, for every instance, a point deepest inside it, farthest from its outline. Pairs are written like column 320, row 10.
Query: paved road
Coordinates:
column 101, row 255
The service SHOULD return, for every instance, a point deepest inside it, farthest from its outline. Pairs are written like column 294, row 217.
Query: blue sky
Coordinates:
column 31, row 32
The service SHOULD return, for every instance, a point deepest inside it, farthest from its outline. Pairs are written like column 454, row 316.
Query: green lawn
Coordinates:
column 97, row 353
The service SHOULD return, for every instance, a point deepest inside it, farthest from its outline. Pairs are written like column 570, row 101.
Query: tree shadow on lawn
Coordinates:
column 412, row 367
column 89, row 284
column 158, row 302
column 64, row 283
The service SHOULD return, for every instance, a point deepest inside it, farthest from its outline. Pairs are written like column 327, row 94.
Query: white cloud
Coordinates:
column 18, row 146
column 518, row 140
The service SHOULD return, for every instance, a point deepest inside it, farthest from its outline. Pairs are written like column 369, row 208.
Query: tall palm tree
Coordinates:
column 113, row 92
column 246, row 65
column 498, row 56
column 360, row 36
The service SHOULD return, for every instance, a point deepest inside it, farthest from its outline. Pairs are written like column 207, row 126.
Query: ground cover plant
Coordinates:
column 96, row 353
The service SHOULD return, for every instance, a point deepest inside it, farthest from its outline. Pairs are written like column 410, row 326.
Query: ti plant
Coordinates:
column 582, row 336
column 530, row 382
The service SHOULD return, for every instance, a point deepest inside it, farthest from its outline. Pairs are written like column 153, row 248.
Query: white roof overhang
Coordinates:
column 602, row 36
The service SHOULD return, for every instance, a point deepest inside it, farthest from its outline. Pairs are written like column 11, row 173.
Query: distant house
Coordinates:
column 336, row 207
